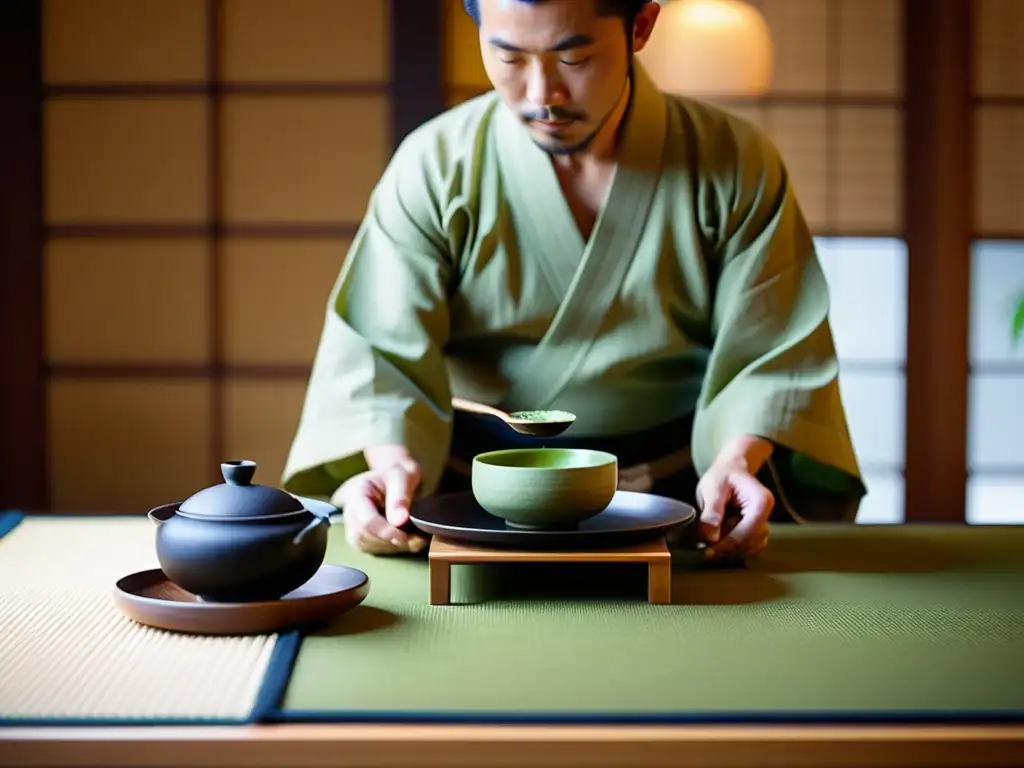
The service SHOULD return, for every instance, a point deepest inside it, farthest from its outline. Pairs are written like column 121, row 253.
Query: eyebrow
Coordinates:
column 573, row 41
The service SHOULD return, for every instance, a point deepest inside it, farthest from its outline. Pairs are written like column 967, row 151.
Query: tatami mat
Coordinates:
column 834, row 623
column 67, row 654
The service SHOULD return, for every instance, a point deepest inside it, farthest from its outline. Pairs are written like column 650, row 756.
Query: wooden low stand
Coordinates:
column 444, row 554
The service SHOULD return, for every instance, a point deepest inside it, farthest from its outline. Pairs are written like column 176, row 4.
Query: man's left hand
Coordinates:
column 735, row 508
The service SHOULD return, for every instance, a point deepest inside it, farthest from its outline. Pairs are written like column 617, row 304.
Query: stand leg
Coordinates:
column 659, row 583
column 440, row 582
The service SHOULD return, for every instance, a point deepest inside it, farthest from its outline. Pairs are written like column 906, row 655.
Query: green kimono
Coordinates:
column 699, row 292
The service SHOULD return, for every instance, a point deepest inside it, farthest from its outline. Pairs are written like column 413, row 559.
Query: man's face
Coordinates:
column 558, row 65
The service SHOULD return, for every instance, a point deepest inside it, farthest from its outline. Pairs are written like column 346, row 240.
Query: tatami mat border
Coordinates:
column 652, row 718
column 9, row 519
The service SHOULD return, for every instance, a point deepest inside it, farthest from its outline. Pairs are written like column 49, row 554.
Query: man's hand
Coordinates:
column 734, row 505
column 388, row 485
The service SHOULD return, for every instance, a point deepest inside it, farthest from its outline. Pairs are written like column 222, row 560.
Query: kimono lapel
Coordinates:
column 544, row 223
column 587, row 275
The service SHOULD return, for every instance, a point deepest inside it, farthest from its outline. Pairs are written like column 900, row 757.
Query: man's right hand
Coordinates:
column 387, row 486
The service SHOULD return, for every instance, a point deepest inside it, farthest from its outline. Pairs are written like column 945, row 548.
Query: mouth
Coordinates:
column 553, row 124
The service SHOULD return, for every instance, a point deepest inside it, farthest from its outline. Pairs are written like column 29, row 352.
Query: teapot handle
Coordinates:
column 319, row 508
column 322, row 512
column 317, row 520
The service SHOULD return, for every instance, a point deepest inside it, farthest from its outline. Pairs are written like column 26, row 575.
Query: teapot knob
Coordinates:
column 238, row 472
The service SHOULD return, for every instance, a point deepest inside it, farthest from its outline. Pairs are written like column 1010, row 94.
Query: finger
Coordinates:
column 359, row 538
column 363, row 520
column 379, row 528
column 386, row 539
column 712, row 497
column 760, row 544
column 754, row 510
column 729, row 522
column 367, row 542
column 417, row 543
column 400, row 483
column 371, row 545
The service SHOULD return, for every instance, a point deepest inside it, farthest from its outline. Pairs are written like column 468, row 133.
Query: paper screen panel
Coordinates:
column 799, row 31
column 885, row 503
column 875, row 403
column 463, row 67
column 999, row 170
column 305, row 41
column 997, row 287
column 995, row 419
column 125, row 160
column 801, row 135
column 127, row 445
column 869, row 190
column 867, row 281
column 108, row 41
column 998, row 54
column 275, row 295
column 869, row 49
column 127, row 301
column 303, row 158
column 994, row 500
column 260, row 422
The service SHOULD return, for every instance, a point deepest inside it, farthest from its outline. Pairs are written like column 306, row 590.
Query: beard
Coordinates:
column 562, row 149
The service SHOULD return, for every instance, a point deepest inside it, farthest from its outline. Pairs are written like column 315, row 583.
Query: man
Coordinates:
column 577, row 240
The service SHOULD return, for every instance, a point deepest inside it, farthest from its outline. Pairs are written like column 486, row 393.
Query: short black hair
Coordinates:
column 627, row 9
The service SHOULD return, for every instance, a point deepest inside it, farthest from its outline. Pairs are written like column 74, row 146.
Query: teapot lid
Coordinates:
column 239, row 497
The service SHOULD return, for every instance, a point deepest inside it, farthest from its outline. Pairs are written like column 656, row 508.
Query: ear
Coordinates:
column 643, row 26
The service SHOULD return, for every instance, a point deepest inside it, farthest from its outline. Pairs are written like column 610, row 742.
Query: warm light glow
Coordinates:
column 710, row 48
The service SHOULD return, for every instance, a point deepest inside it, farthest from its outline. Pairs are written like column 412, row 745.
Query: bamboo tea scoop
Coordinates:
column 533, row 423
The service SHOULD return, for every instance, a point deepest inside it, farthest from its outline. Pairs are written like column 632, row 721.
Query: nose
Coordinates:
column 544, row 87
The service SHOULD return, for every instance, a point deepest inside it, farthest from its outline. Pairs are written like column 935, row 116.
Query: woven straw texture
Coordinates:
column 833, row 622
column 68, row 654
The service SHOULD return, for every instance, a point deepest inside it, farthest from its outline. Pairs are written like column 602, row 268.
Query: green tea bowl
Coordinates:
column 544, row 488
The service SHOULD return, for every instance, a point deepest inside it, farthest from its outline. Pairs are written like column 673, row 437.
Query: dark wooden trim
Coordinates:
column 203, row 88
column 214, row 228
column 997, row 234
column 417, row 64
column 313, row 230
column 23, row 457
column 829, row 98
column 214, row 215
column 157, row 371
column 833, row 67
column 938, row 179
column 1001, row 101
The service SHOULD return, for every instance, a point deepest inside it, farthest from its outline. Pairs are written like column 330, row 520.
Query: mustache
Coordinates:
column 553, row 114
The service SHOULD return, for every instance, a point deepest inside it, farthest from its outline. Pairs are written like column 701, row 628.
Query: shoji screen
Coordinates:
column 206, row 163
column 995, row 451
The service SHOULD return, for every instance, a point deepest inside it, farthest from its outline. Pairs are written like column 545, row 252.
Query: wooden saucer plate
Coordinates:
column 149, row 598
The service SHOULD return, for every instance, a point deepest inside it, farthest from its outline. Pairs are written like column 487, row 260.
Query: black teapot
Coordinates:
column 239, row 541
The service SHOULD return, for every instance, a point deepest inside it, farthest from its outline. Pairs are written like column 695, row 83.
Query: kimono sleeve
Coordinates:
column 772, row 370
column 379, row 375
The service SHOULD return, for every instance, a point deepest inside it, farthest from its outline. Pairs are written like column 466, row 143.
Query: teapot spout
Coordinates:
column 163, row 513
